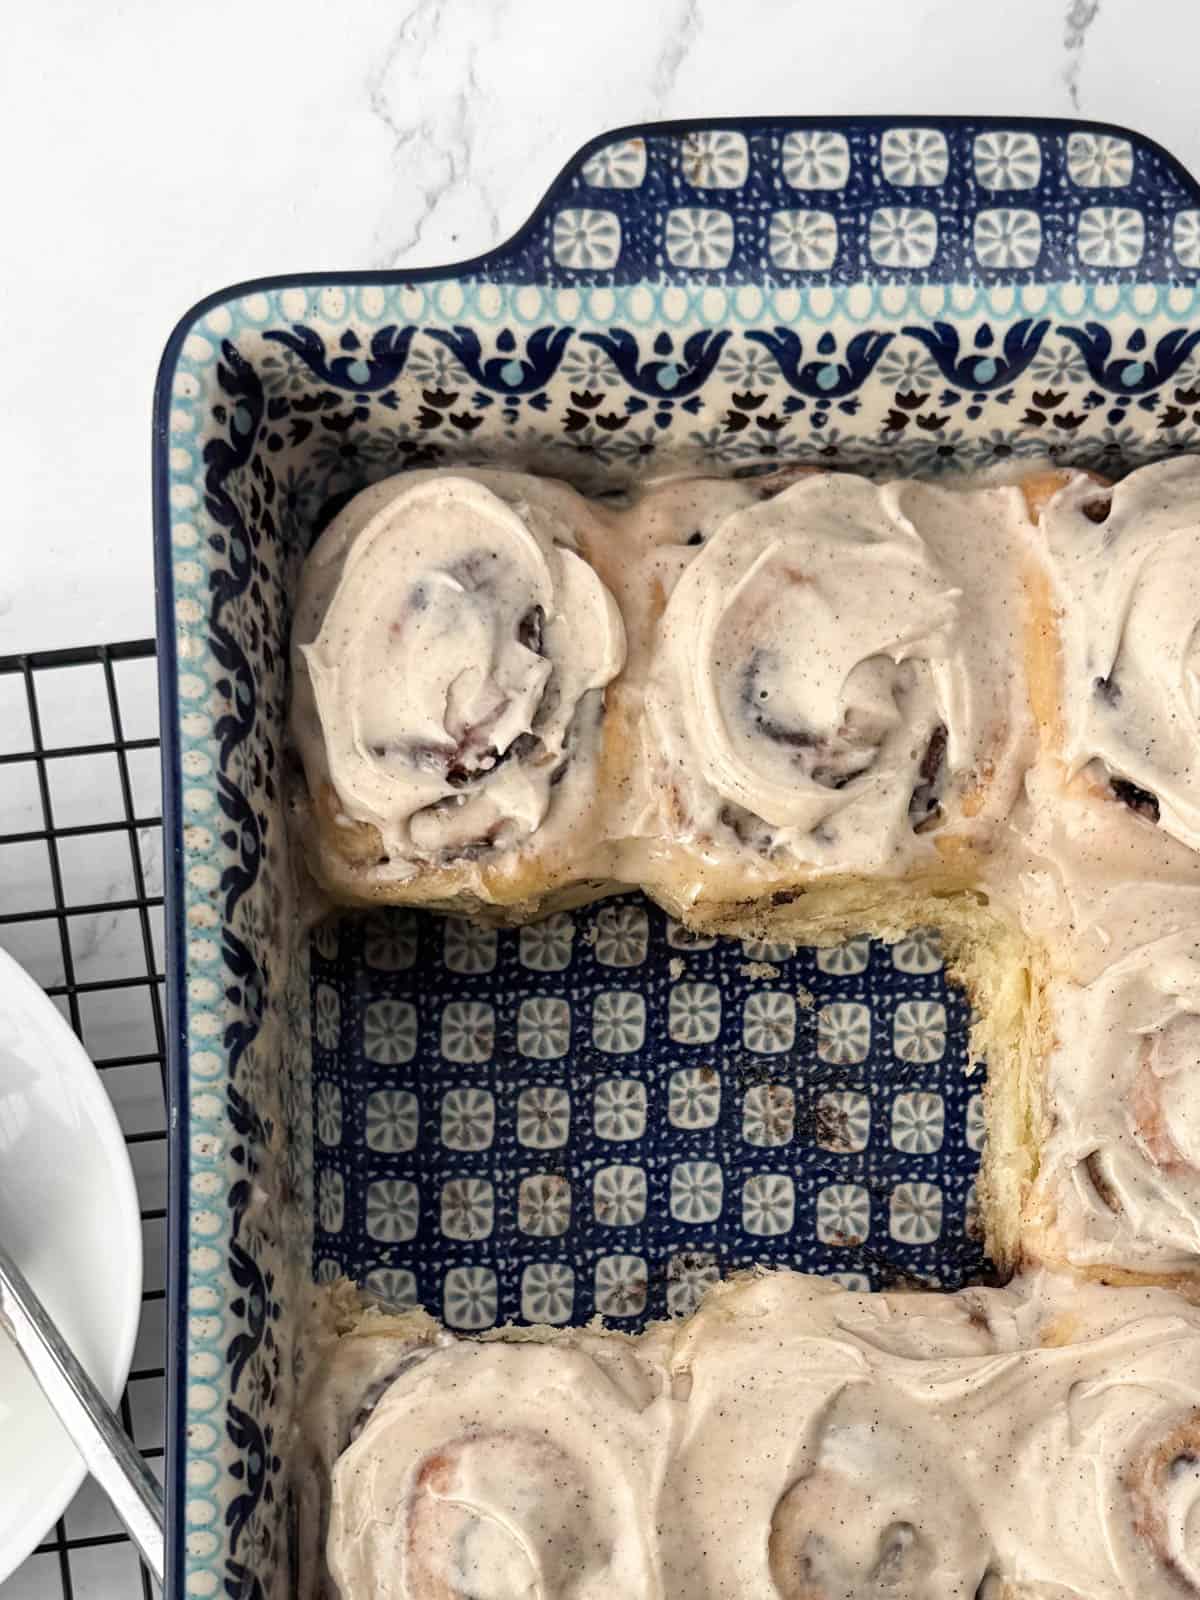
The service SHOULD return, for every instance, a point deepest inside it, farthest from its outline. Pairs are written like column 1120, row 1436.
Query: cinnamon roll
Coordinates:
column 791, row 1441
column 503, row 1470
column 451, row 651
column 834, row 690
column 1124, row 572
column 1118, row 1184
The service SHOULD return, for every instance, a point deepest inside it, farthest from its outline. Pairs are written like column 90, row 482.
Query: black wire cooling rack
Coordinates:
column 81, row 909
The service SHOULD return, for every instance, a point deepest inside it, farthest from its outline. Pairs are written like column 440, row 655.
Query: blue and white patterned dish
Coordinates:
column 600, row 1113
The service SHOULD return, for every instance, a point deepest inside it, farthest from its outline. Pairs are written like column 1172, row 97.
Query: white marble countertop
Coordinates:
column 158, row 152
column 170, row 150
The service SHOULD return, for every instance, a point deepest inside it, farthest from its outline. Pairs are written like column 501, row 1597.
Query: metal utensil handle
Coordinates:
column 100, row 1439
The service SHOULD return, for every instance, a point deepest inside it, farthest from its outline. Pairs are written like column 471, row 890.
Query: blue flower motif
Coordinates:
column 621, row 936
column 769, row 1022
column 327, row 1017
column 395, row 1286
column 470, row 1297
column 543, row 1117
column 843, row 959
column 689, row 1277
column 619, row 1109
column 468, row 1030
column 618, row 1021
column 468, row 1208
column 843, row 1214
column 919, row 1030
column 547, row 1292
column 329, row 1113
column 843, row 1121
column 546, row 946
column 768, row 1114
column 468, row 947
column 544, row 1028
column 620, row 1285
column 697, row 1188
column 768, row 1204
column 694, row 1097
column 393, row 1207
column 544, row 1204
column 392, row 1120
column 843, row 1033
column 976, row 1130
column 390, row 940
column 916, row 1213
column 468, row 1119
column 694, row 1013
column 619, row 1196
column 390, row 1032
column 918, row 1122
column 331, row 1201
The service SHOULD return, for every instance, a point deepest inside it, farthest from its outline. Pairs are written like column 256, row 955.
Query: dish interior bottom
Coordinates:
column 601, row 1113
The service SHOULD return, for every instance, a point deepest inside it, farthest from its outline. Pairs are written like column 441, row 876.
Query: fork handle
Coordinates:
column 99, row 1437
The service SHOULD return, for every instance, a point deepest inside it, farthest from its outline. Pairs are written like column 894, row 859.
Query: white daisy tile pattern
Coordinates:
column 897, row 201
column 598, row 1114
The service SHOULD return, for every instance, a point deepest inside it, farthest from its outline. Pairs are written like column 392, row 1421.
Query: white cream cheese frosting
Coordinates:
column 792, row 1441
column 1119, row 1165
column 823, row 676
column 1125, row 564
column 834, row 672
column 455, row 645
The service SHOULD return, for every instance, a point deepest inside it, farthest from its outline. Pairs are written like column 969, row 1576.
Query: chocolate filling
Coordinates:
column 925, row 804
column 1140, row 801
column 836, row 762
column 531, row 628
column 1105, row 1192
column 1097, row 510
column 473, row 756
column 1107, row 690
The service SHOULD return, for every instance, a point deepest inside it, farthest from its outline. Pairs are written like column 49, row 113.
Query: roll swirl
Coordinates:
column 450, row 651
column 502, row 1471
column 821, row 692
column 1119, row 1174
column 1125, row 564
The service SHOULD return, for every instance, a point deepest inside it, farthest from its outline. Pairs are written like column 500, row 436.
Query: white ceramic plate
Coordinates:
column 69, row 1215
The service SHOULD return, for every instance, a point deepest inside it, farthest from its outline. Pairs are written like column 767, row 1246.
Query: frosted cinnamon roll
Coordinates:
column 1124, row 568
column 505, row 1470
column 1118, row 1184
column 450, row 654
column 791, row 1441
column 834, row 688
column 1035, row 1441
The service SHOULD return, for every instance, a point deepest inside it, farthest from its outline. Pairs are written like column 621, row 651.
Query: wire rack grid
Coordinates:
column 81, row 910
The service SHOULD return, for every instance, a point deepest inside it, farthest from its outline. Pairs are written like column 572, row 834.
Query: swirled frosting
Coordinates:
column 1119, row 1169
column 1125, row 563
column 834, row 672
column 504, row 1470
column 455, row 644
column 790, row 1442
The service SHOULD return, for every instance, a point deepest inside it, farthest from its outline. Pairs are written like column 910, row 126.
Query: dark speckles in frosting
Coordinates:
column 1126, row 567
column 447, row 639
column 832, row 664
column 792, row 1441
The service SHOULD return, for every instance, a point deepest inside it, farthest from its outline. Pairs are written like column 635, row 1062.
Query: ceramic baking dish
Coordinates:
column 598, row 1113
